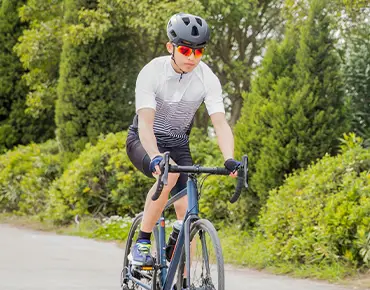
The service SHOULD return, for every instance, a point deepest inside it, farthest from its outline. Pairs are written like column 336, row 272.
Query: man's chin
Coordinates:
column 187, row 68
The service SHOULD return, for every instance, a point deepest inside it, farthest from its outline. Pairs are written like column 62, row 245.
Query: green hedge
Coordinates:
column 100, row 182
column 217, row 190
column 25, row 176
column 322, row 214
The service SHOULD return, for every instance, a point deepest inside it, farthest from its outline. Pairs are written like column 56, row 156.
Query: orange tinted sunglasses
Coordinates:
column 187, row 51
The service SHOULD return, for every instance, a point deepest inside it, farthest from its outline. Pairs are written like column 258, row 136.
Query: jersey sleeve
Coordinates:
column 213, row 99
column 145, row 89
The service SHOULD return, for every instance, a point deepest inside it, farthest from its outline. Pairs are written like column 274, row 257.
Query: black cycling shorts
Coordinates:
column 141, row 160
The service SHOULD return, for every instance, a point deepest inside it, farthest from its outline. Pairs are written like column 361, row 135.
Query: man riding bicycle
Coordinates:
column 169, row 91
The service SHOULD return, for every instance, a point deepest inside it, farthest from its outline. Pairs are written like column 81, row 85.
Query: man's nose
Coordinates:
column 192, row 55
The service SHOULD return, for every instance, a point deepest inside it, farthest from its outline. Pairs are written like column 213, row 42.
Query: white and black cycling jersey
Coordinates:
column 175, row 98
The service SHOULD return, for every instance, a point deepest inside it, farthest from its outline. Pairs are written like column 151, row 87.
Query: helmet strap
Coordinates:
column 173, row 58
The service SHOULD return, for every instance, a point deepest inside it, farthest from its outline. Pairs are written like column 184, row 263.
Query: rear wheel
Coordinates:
column 143, row 276
column 206, row 262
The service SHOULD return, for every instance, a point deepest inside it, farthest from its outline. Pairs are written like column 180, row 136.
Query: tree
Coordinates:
column 39, row 49
column 357, row 77
column 296, row 109
column 92, row 93
column 106, row 47
column 239, row 30
column 16, row 127
column 260, row 114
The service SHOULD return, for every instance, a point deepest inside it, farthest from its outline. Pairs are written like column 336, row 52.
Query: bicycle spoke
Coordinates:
column 206, row 267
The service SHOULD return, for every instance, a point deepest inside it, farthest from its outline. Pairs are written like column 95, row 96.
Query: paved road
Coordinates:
column 32, row 260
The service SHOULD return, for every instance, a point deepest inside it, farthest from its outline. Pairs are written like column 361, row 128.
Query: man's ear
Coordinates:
column 169, row 47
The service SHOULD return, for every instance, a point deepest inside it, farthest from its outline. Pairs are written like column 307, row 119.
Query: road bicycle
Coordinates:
column 197, row 261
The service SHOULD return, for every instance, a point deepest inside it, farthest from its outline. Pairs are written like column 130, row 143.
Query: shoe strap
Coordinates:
column 144, row 248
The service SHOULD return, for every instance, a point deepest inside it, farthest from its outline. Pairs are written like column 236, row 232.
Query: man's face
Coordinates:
column 186, row 58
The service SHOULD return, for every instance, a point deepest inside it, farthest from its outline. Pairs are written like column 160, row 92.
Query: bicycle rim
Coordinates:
column 206, row 262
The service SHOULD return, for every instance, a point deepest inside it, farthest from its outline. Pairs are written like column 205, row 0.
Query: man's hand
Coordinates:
column 154, row 164
column 232, row 165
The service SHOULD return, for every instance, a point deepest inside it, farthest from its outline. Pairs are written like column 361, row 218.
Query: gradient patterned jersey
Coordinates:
column 175, row 98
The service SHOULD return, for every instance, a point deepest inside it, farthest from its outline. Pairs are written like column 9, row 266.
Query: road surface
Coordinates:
column 31, row 260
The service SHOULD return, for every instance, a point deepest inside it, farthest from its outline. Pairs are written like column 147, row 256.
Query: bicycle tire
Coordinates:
column 126, row 284
column 201, row 228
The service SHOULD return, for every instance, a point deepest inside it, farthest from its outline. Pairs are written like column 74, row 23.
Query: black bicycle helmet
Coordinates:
column 187, row 29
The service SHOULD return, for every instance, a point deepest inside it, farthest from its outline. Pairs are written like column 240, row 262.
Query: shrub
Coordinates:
column 25, row 176
column 322, row 214
column 114, row 228
column 100, row 182
column 217, row 190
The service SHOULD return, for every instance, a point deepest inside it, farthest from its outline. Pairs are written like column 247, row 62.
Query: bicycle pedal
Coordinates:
column 143, row 268
column 147, row 268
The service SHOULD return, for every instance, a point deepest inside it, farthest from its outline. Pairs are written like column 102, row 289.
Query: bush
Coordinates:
column 25, row 176
column 217, row 190
column 322, row 214
column 114, row 228
column 100, row 182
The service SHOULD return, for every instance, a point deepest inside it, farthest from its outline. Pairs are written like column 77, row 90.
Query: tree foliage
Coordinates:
column 294, row 113
column 16, row 127
column 39, row 50
column 357, row 76
column 239, row 33
column 96, row 67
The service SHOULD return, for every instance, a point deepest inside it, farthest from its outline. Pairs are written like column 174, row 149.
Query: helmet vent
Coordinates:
column 186, row 20
column 169, row 24
column 195, row 31
column 173, row 33
column 199, row 21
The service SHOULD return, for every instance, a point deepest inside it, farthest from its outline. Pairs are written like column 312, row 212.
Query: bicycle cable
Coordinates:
column 202, row 183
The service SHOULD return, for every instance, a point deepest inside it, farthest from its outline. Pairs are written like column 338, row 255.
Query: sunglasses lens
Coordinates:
column 199, row 52
column 184, row 50
column 187, row 51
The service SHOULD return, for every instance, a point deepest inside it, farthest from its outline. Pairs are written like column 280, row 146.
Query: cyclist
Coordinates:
column 169, row 90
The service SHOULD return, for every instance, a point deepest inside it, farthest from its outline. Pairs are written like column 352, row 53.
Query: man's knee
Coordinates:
column 172, row 179
column 181, row 207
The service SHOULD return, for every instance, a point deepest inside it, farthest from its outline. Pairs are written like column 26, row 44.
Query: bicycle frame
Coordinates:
column 184, row 237
column 167, row 276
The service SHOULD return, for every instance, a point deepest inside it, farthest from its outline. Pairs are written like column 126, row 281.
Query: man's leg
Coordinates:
column 153, row 209
column 141, row 252
column 180, row 207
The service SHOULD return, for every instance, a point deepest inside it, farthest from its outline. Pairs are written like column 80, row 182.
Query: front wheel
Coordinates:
column 206, row 261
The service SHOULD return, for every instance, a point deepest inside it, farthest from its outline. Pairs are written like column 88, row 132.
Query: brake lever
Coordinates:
column 245, row 169
column 163, row 177
column 242, row 179
column 166, row 159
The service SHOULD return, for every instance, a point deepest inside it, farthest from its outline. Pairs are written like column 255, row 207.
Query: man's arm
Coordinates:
column 146, row 133
column 224, row 134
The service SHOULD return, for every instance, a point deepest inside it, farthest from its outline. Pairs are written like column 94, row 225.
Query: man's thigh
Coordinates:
column 182, row 157
column 141, row 160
